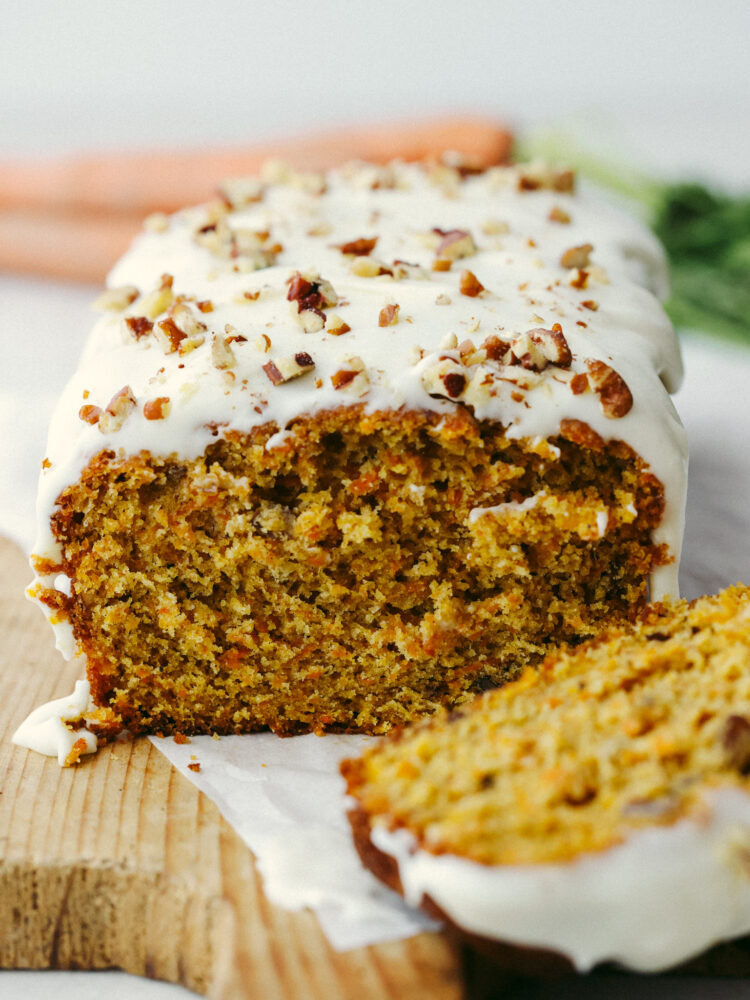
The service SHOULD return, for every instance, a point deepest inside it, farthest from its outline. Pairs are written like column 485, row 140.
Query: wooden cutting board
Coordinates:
column 121, row 863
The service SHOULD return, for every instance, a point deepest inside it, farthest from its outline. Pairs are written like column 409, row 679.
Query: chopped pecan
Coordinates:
column 237, row 192
column 138, row 326
column 90, row 414
column 455, row 383
column 590, row 304
column 540, row 347
column 222, row 354
column 540, row 175
column 284, row 369
column 369, row 267
column 169, row 335
column 336, row 326
column 580, row 279
column 352, row 376
column 358, row 248
column 157, row 409
column 469, row 284
column 614, row 395
column 577, row 256
column 388, row 315
column 117, row 410
column 579, row 383
column 312, row 320
column 496, row 348
column 455, row 244
column 116, row 299
column 310, row 292
column 558, row 214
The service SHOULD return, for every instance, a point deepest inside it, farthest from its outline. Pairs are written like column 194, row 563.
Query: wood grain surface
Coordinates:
column 122, row 863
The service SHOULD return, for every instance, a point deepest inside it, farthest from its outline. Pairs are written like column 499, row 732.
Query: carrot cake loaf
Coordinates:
column 598, row 807
column 346, row 448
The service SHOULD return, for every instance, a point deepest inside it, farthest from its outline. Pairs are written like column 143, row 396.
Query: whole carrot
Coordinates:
column 139, row 183
column 63, row 246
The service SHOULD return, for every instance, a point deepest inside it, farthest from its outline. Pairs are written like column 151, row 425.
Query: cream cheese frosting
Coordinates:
column 377, row 287
column 46, row 729
column 665, row 894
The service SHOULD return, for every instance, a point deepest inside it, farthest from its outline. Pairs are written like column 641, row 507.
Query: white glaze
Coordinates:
column 46, row 732
column 526, row 286
column 665, row 894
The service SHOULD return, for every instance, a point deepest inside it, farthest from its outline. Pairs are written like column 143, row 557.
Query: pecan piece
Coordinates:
column 157, row 409
column 496, row 348
column 282, row 370
column 577, row 256
column 469, row 284
column 540, row 347
column 222, row 354
column 558, row 214
column 90, row 414
column 336, row 326
column 351, row 377
column 388, row 315
column 455, row 244
column 358, row 248
column 138, row 326
column 614, row 395
column 116, row 299
column 117, row 410
column 310, row 292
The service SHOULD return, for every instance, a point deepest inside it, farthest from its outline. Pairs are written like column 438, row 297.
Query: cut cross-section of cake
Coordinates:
column 595, row 810
column 345, row 448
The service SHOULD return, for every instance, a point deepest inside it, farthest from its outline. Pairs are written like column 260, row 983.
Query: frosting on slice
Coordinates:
column 46, row 730
column 665, row 894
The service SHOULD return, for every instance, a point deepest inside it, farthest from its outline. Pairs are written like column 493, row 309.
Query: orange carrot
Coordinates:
column 139, row 183
column 62, row 245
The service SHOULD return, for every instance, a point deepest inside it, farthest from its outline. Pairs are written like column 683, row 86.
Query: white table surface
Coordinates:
column 669, row 82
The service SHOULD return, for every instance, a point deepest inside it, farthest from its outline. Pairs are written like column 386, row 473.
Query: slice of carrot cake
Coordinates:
column 597, row 808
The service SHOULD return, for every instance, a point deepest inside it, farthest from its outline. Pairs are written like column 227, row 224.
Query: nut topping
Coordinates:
column 285, row 369
column 222, row 354
column 577, row 256
column 90, row 414
column 455, row 244
column 157, row 409
column 614, row 395
column 237, row 192
column 558, row 214
column 116, row 299
column 388, row 315
column 138, row 326
column 311, row 292
column 537, row 348
column 117, row 410
column 352, row 377
column 535, row 176
column 358, row 248
column 469, row 284
column 336, row 326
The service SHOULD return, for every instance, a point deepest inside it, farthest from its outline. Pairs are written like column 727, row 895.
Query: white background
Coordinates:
column 664, row 81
